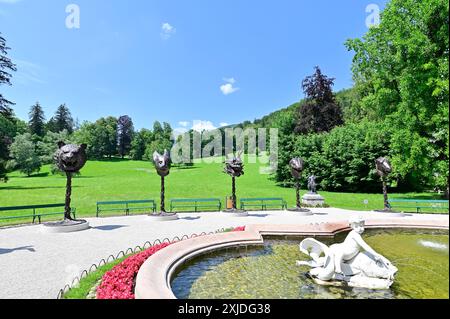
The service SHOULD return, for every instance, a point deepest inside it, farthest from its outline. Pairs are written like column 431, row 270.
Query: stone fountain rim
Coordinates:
column 154, row 276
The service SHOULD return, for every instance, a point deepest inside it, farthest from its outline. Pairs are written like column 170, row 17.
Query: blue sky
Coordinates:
column 209, row 61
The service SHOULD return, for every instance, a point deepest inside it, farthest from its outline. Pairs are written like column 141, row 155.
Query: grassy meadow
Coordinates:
column 132, row 180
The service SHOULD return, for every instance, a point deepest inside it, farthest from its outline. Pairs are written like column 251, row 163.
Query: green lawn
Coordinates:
column 124, row 179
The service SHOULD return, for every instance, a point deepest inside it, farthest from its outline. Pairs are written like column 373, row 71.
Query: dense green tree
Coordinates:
column 47, row 147
column 3, row 171
column 62, row 120
column 7, row 132
column 158, row 145
column 401, row 72
column 342, row 159
column 36, row 122
column 6, row 67
column 101, row 137
column 23, row 155
column 140, row 141
column 167, row 131
column 158, row 131
column 320, row 112
column 125, row 131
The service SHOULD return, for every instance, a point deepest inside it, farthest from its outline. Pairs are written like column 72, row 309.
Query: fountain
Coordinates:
column 269, row 271
column 69, row 159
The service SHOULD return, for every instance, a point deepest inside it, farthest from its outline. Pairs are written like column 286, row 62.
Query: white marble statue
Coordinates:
column 352, row 262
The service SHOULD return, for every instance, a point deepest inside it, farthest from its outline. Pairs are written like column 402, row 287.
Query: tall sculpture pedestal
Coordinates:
column 314, row 200
column 164, row 217
column 65, row 226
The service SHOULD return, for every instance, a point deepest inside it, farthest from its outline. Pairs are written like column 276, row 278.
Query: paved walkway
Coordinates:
column 36, row 265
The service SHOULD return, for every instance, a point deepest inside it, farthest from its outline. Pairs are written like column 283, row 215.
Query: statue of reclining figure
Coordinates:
column 352, row 262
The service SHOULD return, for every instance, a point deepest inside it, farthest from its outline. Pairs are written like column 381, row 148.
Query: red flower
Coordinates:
column 118, row 283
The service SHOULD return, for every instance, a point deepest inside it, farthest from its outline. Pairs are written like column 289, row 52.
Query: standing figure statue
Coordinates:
column 297, row 165
column 353, row 262
column 235, row 168
column 383, row 168
column 69, row 159
column 312, row 186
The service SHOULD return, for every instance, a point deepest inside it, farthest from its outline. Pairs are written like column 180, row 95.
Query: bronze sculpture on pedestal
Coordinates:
column 297, row 165
column 69, row 159
column 384, row 168
column 162, row 165
column 235, row 168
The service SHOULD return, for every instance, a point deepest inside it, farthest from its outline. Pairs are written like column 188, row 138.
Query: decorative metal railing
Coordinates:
column 127, row 252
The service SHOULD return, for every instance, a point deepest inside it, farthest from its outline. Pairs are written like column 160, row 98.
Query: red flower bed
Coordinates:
column 118, row 283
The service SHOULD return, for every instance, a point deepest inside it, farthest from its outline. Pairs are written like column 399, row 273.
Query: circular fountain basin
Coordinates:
column 270, row 271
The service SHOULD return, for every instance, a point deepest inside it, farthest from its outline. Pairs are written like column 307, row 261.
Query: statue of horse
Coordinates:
column 296, row 165
column 383, row 166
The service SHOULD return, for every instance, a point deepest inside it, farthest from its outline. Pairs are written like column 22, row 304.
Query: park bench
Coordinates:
column 263, row 202
column 37, row 211
column 126, row 206
column 195, row 203
column 419, row 204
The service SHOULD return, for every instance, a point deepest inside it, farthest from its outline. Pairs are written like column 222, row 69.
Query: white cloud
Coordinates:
column 228, row 89
column 230, row 80
column 184, row 123
column 167, row 31
column 223, row 124
column 201, row 126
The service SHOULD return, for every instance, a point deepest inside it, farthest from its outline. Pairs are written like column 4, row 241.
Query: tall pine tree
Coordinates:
column 62, row 120
column 125, row 131
column 6, row 66
column 36, row 124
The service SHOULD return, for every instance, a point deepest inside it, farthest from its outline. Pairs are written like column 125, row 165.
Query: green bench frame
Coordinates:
column 126, row 208
column 196, row 203
column 262, row 202
column 418, row 204
column 35, row 209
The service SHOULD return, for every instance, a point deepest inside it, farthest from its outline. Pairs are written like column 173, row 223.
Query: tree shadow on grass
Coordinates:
column 185, row 167
column 4, row 251
column 35, row 188
column 420, row 197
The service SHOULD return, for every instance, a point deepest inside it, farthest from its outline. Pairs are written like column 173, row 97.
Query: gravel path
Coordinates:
column 37, row 265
